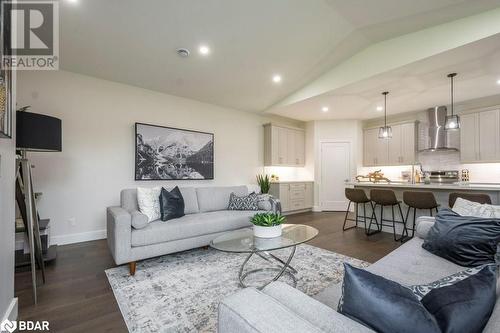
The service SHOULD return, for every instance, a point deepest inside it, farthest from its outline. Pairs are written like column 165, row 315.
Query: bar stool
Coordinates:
column 418, row 200
column 480, row 198
column 384, row 198
column 357, row 196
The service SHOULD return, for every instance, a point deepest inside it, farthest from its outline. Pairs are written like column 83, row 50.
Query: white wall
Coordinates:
column 8, row 306
column 97, row 161
column 332, row 130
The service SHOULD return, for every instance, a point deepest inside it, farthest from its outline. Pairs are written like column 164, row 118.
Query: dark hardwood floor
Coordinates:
column 77, row 296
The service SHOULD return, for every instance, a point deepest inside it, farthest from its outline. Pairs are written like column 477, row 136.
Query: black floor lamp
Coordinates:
column 36, row 133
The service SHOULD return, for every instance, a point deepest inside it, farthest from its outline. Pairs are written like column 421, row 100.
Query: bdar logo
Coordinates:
column 8, row 326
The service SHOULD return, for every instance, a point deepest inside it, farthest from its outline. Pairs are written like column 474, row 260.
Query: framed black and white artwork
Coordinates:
column 166, row 153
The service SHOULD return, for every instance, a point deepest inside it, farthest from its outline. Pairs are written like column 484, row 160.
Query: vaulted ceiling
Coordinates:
column 134, row 42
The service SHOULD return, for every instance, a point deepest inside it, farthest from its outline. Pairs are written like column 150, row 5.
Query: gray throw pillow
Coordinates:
column 246, row 202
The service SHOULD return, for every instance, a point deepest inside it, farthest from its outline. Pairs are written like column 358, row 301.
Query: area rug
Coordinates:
column 181, row 292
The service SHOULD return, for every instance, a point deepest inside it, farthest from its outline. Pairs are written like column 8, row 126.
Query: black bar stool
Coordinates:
column 358, row 196
column 480, row 198
column 418, row 200
column 384, row 198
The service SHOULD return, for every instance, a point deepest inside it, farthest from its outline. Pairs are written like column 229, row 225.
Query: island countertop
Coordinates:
column 432, row 186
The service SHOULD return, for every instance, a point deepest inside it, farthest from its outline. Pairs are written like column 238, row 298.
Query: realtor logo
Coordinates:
column 30, row 35
column 8, row 326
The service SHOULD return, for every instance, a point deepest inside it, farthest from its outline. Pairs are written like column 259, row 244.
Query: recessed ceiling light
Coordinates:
column 325, row 109
column 380, row 108
column 276, row 78
column 498, row 81
column 204, row 50
column 72, row 1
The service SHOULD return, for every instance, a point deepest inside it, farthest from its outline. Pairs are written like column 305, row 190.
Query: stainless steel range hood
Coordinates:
column 436, row 138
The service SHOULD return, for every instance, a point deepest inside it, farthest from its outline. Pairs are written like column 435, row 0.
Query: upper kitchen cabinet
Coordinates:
column 284, row 146
column 398, row 150
column 480, row 137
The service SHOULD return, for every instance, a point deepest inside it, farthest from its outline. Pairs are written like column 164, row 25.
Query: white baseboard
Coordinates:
column 78, row 238
column 317, row 209
column 11, row 312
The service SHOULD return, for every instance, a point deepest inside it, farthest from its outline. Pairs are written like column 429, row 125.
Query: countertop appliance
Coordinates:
column 444, row 176
column 434, row 137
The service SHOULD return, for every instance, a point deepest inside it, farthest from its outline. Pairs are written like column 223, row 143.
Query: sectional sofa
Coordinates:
column 289, row 310
column 206, row 218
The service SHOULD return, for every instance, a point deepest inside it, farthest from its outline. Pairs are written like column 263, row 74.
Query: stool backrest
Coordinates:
column 383, row 197
column 476, row 197
column 420, row 200
column 356, row 195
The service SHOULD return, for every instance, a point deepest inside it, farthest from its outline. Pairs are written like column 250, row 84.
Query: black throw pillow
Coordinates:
column 383, row 305
column 464, row 240
column 171, row 204
column 460, row 303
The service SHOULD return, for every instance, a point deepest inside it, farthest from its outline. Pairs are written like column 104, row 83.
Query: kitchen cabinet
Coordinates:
column 294, row 196
column 398, row 150
column 284, row 146
column 480, row 137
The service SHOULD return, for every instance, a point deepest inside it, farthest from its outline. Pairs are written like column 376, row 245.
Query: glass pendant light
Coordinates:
column 453, row 120
column 385, row 132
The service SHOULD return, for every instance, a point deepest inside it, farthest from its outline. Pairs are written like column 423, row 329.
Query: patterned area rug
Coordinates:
column 180, row 292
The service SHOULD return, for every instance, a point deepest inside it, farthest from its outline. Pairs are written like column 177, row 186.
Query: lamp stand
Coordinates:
column 24, row 189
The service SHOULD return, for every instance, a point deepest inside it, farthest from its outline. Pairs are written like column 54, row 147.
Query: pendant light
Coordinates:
column 452, row 121
column 385, row 132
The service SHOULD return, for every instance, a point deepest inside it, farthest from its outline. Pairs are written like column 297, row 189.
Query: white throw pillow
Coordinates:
column 148, row 200
column 469, row 208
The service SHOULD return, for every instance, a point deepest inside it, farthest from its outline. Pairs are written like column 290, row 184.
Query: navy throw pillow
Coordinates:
column 171, row 204
column 383, row 305
column 464, row 240
column 461, row 303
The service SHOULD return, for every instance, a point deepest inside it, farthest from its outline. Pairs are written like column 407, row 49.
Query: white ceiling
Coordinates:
column 134, row 42
column 413, row 87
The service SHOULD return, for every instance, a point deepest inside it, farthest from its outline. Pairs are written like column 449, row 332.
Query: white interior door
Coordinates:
column 335, row 170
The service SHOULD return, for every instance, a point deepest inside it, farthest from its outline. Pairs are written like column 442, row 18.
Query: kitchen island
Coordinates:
column 441, row 192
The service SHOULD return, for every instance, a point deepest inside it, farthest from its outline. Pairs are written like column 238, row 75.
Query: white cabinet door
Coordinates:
column 489, row 135
column 408, row 143
column 300, row 146
column 381, row 150
column 291, row 151
column 285, row 197
column 370, row 136
column 394, row 145
column 469, row 141
column 282, row 145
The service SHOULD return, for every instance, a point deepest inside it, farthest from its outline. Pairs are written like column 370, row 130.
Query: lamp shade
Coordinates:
column 38, row 132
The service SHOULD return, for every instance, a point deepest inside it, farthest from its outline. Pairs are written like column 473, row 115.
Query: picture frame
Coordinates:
column 169, row 153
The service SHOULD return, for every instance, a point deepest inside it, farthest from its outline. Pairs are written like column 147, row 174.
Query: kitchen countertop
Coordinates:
column 291, row 181
column 433, row 186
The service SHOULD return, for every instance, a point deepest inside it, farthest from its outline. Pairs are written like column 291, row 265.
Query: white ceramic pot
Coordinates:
column 267, row 232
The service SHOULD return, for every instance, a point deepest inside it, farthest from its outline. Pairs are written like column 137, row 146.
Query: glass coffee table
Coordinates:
column 243, row 241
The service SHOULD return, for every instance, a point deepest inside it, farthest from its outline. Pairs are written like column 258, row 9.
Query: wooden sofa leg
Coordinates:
column 132, row 266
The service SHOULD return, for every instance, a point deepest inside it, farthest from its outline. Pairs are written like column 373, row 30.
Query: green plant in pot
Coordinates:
column 267, row 225
column 264, row 183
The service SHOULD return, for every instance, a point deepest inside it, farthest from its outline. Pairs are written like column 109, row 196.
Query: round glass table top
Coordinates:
column 243, row 241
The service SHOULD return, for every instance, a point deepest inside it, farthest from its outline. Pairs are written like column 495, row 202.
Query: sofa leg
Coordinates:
column 132, row 266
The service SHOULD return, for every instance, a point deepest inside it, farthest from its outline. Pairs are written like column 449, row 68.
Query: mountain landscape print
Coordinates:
column 164, row 153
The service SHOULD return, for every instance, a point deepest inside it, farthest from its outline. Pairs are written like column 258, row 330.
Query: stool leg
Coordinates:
column 394, row 225
column 430, row 210
column 345, row 219
column 364, row 215
column 414, row 219
column 373, row 216
column 357, row 215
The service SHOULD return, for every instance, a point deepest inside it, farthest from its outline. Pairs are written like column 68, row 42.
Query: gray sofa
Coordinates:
column 281, row 308
column 131, row 239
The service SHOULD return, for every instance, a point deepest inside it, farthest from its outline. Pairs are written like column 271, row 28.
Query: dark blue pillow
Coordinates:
column 171, row 204
column 461, row 306
column 383, row 305
column 464, row 240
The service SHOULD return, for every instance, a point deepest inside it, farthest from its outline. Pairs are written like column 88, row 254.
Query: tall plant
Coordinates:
column 264, row 183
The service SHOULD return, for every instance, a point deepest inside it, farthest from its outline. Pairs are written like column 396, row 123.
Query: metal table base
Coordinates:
column 283, row 267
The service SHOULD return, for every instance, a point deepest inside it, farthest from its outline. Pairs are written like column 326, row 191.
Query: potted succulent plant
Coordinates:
column 267, row 225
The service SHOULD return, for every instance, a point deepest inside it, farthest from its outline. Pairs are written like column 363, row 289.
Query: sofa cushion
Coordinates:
column 171, row 204
column 245, row 202
column 382, row 304
column 191, row 226
column 465, row 240
column 139, row 220
column 217, row 198
column 128, row 199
